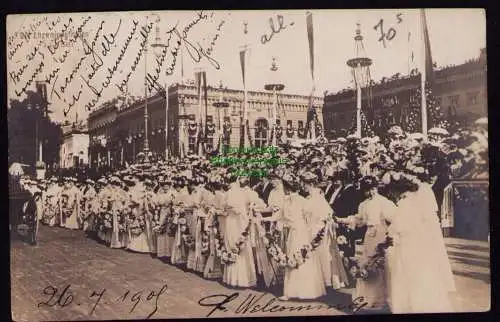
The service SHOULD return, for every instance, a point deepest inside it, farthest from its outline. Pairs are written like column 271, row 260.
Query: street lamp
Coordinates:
column 146, row 141
column 158, row 47
column 275, row 86
column 360, row 66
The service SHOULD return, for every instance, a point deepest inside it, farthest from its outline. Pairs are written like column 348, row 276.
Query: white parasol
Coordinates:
column 438, row 131
column 16, row 169
column 482, row 121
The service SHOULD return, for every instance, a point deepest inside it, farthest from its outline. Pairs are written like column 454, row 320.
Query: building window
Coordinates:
column 301, row 124
column 261, row 133
column 192, row 144
column 472, row 98
column 289, row 123
column 454, row 101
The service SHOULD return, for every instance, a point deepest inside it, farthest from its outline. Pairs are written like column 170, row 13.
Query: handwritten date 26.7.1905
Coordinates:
column 66, row 297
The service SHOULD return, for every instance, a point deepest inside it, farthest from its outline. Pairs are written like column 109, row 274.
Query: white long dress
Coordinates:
column 418, row 282
column 72, row 220
column 329, row 256
column 306, row 281
column 242, row 273
column 374, row 213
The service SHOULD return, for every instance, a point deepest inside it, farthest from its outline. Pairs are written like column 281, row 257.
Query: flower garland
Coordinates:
column 210, row 128
column 136, row 223
column 122, row 222
column 104, row 222
column 192, row 127
column 185, row 233
column 374, row 265
column 300, row 256
column 229, row 257
column 205, row 243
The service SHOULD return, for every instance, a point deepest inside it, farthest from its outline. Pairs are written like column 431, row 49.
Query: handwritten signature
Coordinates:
column 97, row 65
column 255, row 304
column 67, row 298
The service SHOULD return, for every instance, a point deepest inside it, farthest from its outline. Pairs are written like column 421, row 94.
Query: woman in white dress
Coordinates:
column 305, row 281
column 73, row 210
column 419, row 269
column 328, row 252
column 242, row 272
column 137, row 236
column 375, row 213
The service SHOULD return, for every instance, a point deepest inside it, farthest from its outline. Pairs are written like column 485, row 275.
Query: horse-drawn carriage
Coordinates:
column 22, row 210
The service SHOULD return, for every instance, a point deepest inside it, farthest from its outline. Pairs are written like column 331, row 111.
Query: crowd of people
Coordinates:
column 340, row 213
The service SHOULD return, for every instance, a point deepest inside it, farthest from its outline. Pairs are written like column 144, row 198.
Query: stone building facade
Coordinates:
column 75, row 146
column 117, row 129
column 460, row 90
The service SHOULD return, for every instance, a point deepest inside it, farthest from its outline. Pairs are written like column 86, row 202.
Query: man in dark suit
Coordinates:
column 264, row 188
column 344, row 199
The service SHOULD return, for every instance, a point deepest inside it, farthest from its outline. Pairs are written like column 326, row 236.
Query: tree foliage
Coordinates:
column 27, row 123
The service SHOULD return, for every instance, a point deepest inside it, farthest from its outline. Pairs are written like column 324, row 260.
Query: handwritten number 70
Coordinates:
column 390, row 34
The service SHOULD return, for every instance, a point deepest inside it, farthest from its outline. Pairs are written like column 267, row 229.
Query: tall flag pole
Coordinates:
column 311, row 113
column 427, row 73
column 198, row 80
column 244, row 125
column 205, row 116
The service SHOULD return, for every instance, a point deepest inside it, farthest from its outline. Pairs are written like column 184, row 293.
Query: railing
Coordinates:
column 465, row 207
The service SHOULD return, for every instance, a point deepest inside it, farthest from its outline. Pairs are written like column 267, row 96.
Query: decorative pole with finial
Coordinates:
column 157, row 47
column 220, row 105
column 244, row 68
column 360, row 66
column 275, row 87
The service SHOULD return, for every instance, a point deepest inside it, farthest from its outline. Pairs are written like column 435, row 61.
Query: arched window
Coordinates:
column 261, row 127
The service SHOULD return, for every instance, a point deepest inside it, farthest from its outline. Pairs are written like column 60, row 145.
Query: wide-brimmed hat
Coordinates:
column 308, row 177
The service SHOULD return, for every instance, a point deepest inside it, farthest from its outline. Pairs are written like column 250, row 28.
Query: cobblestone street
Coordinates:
column 130, row 286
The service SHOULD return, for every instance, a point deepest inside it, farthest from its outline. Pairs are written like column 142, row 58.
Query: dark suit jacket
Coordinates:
column 264, row 192
column 347, row 202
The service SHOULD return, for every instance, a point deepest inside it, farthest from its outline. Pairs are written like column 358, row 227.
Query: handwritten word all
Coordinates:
column 276, row 27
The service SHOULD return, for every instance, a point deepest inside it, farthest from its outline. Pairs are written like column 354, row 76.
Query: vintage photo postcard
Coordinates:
column 194, row 164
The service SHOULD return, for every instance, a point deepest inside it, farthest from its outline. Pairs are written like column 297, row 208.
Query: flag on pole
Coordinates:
column 204, row 76
column 197, row 77
column 310, row 37
column 244, row 126
column 311, row 113
column 242, row 61
column 426, row 75
column 427, row 51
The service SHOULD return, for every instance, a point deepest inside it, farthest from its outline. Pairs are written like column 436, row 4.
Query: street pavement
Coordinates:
column 69, row 276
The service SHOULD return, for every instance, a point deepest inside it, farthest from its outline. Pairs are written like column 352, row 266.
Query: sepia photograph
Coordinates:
column 247, row 163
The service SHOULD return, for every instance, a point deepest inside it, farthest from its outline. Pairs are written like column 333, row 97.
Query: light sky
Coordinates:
column 456, row 35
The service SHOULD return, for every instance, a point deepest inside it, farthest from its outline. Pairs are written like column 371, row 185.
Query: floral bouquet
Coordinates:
column 205, row 243
column 108, row 221
column 122, row 226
